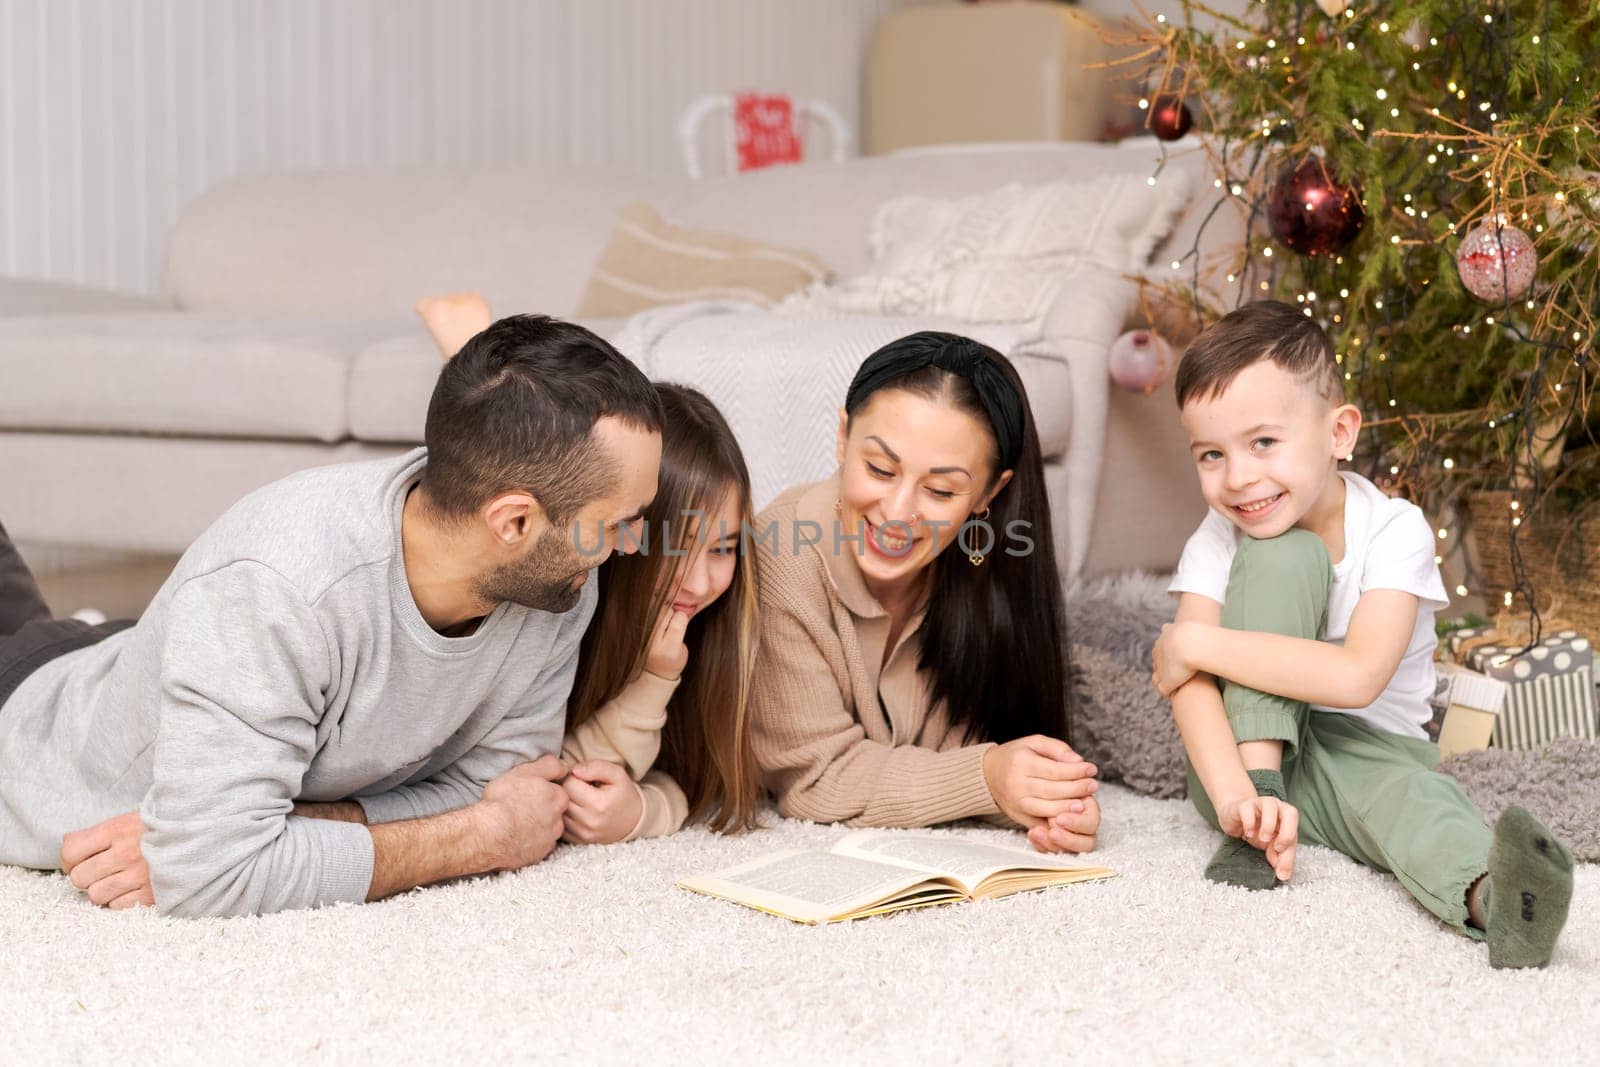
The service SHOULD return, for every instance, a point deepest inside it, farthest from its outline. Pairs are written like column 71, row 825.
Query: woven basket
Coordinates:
column 1560, row 553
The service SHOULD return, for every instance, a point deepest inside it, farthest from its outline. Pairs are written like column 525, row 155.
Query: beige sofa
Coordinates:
column 285, row 338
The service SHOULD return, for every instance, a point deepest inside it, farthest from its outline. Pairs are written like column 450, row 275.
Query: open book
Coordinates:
column 875, row 871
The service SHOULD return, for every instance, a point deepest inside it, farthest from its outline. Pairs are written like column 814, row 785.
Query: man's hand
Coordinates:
column 1269, row 824
column 1036, row 778
column 1074, row 830
column 603, row 803
column 668, row 655
column 521, row 813
column 1171, row 661
column 105, row 862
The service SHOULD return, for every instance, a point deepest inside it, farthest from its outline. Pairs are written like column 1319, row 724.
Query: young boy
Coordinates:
column 1301, row 658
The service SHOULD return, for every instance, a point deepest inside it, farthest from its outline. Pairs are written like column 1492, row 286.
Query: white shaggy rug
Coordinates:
column 594, row 955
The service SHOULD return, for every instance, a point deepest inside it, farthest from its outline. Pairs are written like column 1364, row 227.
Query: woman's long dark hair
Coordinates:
column 994, row 636
column 705, row 745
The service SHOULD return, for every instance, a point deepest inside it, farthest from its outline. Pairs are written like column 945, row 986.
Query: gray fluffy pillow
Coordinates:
column 1120, row 723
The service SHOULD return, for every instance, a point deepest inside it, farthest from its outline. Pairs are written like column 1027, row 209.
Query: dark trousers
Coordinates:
column 29, row 637
column 20, row 599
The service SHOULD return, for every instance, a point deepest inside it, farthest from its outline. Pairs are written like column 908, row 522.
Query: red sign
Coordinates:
column 764, row 128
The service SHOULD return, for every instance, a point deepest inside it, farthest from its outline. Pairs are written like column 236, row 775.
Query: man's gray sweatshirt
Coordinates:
column 283, row 660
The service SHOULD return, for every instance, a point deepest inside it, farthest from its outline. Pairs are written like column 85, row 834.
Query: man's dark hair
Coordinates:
column 1266, row 330
column 515, row 409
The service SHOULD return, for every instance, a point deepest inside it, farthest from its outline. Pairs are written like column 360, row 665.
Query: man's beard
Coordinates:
column 546, row 579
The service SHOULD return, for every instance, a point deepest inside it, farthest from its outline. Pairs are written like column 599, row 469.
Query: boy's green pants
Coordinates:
column 1373, row 795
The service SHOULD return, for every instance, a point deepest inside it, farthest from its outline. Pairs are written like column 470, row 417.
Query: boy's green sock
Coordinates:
column 1528, row 890
column 1238, row 862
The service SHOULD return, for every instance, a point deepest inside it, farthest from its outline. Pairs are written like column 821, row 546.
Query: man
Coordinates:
column 354, row 682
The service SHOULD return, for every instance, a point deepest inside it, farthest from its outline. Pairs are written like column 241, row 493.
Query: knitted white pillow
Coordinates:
column 1004, row 256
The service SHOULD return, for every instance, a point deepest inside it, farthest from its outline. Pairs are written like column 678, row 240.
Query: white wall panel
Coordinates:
column 116, row 113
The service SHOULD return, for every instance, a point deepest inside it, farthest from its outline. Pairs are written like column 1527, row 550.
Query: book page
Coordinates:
column 809, row 885
column 969, row 862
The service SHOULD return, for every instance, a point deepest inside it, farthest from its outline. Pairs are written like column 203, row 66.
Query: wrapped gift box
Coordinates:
column 1550, row 689
column 1468, row 706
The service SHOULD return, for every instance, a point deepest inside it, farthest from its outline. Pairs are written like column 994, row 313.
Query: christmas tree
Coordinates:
column 1423, row 177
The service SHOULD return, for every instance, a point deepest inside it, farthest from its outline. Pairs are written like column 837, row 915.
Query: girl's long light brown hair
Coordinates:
column 705, row 745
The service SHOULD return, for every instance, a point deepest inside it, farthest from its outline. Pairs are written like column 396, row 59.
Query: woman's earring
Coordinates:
column 976, row 559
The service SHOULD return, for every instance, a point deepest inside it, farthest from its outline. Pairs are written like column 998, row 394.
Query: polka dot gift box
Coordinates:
column 1549, row 688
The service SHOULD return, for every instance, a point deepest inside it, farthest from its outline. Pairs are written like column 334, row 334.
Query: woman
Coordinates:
column 912, row 668
column 656, row 735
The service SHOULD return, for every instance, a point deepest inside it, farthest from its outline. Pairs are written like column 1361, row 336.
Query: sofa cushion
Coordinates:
column 24, row 296
column 372, row 242
column 392, row 381
column 650, row 262
column 183, row 373
column 142, row 493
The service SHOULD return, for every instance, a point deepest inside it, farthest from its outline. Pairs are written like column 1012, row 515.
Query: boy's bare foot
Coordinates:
column 454, row 320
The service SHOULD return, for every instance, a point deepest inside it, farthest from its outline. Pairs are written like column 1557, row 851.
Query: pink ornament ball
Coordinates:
column 1497, row 263
column 1140, row 361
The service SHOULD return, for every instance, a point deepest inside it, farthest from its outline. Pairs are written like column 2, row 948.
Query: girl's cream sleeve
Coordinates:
column 627, row 730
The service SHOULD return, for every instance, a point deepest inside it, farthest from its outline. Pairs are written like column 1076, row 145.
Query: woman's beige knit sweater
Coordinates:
column 841, row 732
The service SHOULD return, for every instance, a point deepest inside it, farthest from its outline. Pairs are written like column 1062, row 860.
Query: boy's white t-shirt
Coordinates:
column 1388, row 544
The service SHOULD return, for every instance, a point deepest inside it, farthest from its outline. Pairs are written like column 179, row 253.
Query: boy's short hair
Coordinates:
column 1263, row 330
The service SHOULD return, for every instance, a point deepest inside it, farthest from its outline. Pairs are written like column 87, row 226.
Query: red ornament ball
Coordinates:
column 1497, row 262
column 1311, row 213
column 1139, row 361
column 1170, row 117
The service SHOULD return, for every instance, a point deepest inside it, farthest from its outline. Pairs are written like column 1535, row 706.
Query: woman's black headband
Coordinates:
column 958, row 355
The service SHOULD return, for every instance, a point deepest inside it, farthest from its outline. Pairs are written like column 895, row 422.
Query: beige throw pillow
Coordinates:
column 649, row 262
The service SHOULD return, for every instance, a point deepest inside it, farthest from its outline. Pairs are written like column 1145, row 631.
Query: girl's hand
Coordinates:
column 668, row 655
column 603, row 803
column 1169, row 660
